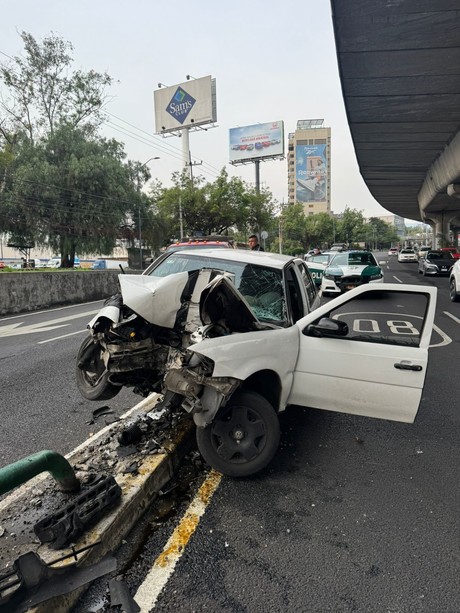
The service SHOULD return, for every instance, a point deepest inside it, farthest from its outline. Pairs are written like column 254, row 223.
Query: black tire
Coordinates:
column 243, row 437
column 92, row 383
column 453, row 292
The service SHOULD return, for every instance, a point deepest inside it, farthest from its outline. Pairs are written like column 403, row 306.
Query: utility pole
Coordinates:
column 157, row 157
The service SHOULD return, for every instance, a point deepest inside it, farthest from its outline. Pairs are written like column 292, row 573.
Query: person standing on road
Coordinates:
column 254, row 243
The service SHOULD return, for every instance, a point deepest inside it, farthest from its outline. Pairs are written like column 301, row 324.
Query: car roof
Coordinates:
column 261, row 258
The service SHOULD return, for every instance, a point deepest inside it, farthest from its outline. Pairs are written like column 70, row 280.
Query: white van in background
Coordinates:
column 110, row 264
column 55, row 262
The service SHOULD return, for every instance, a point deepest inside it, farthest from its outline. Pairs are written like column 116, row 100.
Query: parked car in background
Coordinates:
column 349, row 269
column 318, row 263
column 435, row 263
column 454, row 282
column 453, row 252
column 106, row 264
column 201, row 242
column 55, row 262
column 338, row 247
column 407, row 255
column 392, row 251
column 421, row 251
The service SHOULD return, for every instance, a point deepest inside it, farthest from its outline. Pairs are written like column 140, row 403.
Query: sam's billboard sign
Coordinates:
column 188, row 104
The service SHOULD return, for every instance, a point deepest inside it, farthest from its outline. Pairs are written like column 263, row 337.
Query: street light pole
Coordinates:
column 157, row 157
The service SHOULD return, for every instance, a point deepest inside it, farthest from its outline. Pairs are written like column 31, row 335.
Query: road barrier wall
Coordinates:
column 30, row 291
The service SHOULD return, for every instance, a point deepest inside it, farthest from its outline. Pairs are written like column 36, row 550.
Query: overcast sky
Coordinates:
column 271, row 61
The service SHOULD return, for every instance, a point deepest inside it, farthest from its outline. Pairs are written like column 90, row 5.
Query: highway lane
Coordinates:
column 353, row 514
column 40, row 406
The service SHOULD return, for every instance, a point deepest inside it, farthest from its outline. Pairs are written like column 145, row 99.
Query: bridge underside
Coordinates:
column 399, row 63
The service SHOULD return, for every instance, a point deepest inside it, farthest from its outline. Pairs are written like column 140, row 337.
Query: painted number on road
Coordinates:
column 371, row 326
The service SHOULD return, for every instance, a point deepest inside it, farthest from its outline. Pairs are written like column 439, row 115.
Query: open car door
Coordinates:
column 366, row 352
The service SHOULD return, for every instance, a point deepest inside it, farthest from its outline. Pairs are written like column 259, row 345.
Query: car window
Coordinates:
column 294, row 294
column 354, row 259
column 261, row 286
column 319, row 259
column 309, row 284
column 393, row 318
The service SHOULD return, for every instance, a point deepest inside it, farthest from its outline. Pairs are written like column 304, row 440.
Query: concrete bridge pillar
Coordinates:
column 440, row 223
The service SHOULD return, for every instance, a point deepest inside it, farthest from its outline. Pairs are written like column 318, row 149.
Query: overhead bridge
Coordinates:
column 399, row 65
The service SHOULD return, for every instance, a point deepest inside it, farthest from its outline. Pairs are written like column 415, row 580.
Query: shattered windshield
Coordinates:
column 262, row 287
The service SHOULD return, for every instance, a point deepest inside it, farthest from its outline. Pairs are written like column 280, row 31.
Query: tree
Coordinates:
column 349, row 228
column 43, row 92
column 72, row 191
column 212, row 207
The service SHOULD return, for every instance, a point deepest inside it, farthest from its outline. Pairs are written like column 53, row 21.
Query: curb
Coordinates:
column 19, row 512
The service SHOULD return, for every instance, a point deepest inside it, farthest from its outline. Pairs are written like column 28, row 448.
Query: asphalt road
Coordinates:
column 353, row 514
column 40, row 407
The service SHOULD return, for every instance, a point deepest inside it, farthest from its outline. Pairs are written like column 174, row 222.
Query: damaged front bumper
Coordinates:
column 203, row 395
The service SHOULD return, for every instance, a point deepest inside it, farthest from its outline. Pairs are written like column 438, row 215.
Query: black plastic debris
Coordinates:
column 65, row 526
column 121, row 596
column 32, row 581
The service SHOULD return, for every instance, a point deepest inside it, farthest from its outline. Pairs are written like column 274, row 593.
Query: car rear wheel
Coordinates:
column 91, row 374
column 453, row 291
column 243, row 438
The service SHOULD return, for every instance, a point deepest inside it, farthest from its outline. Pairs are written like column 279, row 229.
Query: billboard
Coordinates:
column 188, row 104
column 311, row 173
column 261, row 140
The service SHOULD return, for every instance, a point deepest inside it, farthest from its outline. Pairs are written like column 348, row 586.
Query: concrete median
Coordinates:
column 140, row 469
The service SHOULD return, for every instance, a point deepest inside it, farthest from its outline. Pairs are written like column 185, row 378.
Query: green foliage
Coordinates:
column 70, row 191
column 225, row 206
column 42, row 92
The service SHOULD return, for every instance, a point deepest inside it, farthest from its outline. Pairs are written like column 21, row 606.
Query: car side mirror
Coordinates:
column 326, row 327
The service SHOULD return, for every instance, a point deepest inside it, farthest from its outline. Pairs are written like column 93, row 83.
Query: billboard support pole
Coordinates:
column 186, row 151
column 257, row 166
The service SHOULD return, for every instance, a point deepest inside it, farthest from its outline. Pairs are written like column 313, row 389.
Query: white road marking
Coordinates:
column 452, row 317
column 445, row 339
column 15, row 330
column 398, row 280
column 163, row 567
column 70, row 306
column 56, row 338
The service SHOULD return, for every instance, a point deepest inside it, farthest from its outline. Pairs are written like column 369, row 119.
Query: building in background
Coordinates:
column 309, row 166
column 395, row 221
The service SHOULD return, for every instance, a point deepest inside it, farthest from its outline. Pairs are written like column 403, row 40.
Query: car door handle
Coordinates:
column 408, row 366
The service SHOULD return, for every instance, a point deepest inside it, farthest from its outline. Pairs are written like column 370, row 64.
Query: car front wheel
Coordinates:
column 453, row 291
column 243, row 438
column 91, row 374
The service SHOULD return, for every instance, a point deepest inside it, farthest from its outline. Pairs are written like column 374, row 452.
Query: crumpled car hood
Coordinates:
column 156, row 299
column 222, row 303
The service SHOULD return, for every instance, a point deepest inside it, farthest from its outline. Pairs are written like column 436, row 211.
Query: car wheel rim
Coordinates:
column 93, row 372
column 239, row 435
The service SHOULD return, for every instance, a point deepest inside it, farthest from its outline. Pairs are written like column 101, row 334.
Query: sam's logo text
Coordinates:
column 180, row 105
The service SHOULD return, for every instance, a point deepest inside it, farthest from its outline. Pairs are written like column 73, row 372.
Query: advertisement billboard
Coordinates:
column 311, row 173
column 261, row 140
column 188, row 104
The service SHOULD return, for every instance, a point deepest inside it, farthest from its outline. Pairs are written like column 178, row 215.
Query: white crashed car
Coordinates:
column 350, row 269
column 234, row 337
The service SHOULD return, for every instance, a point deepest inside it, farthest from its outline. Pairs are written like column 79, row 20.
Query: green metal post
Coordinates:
column 19, row 472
